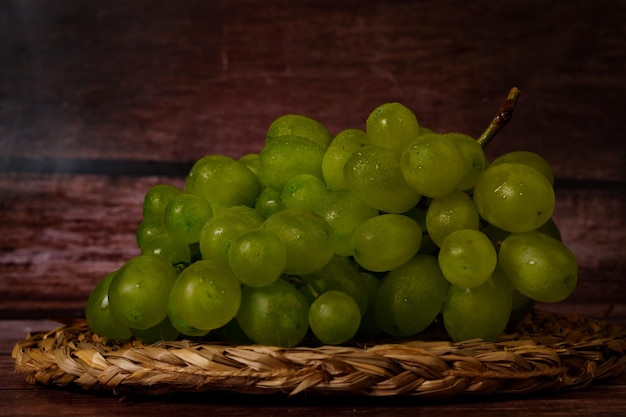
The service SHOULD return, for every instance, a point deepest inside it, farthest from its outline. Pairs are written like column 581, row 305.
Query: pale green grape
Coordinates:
column 98, row 312
column 185, row 216
column 474, row 159
column 178, row 323
column 339, row 151
column 334, row 317
column 453, row 212
column 432, row 165
column 411, row 296
column 477, row 313
column 168, row 248
column 287, row 156
column 257, row 257
column 165, row 330
column 467, row 258
column 392, row 126
column 148, row 229
column 539, row 266
column 514, row 197
column 529, row 158
column 373, row 174
column 302, row 126
column 139, row 290
column 205, row 296
column 274, row 315
column 385, row 242
column 344, row 212
column 269, row 202
column 303, row 190
column 251, row 161
column 223, row 182
column 309, row 240
column 156, row 198
column 220, row 231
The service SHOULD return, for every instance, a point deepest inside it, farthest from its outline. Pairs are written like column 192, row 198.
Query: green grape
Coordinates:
column 274, row 315
column 139, row 290
column 156, row 198
column 392, row 126
column 539, row 266
column 514, row 197
column 165, row 330
column 185, row 216
column 148, row 229
column 251, row 161
column 339, row 151
column 344, row 212
column 550, row 228
column 369, row 328
column 269, row 202
column 298, row 125
column 334, row 317
column 98, row 312
column 467, row 258
column 233, row 332
column 474, row 159
column 373, row 174
column 432, row 165
column 178, row 323
column 341, row 274
column 223, row 182
column 385, row 242
column 453, row 212
column 222, row 229
column 411, row 296
column 308, row 239
column 168, row 248
column 257, row 257
column 205, row 296
column 481, row 312
column 303, row 190
column 287, row 156
column 529, row 158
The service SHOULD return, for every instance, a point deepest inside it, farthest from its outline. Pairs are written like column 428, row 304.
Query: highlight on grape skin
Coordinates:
column 380, row 230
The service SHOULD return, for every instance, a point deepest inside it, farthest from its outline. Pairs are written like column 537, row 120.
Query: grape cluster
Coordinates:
column 375, row 232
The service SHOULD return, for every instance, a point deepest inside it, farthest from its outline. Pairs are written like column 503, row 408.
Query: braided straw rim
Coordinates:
column 543, row 352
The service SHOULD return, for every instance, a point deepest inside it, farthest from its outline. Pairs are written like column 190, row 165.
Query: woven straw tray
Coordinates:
column 543, row 352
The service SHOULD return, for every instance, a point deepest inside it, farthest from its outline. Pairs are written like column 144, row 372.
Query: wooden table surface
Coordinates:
column 100, row 100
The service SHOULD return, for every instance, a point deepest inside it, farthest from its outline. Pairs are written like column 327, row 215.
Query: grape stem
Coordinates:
column 503, row 115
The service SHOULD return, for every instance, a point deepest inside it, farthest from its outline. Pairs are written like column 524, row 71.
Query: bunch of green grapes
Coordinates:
column 370, row 232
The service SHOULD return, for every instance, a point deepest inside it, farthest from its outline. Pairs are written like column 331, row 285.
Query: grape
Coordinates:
column 529, row 158
column 344, row 212
column 308, row 239
column 373, row 174
column 178, row 323
column 165, row 330
column 138, row 290
column 156, row 198
column 334, row 317
column 339, row 151
column 467, row 258
column 385, row 242
column 205, row 296
column 223, row 182
column 233, row 332
column 432, row 165
column 392, row 126
column 269, row 202
column 148, row 229
column 481, row 312
column 539, row 266
column 474, row 159
column 287, row 156
column 275, row 315
column 251, row 161
column 514, row 197
column 219, row 232
column 369, row 328
column 185, row 216
column 303, row 190
column 257, row 257
column 299, row 125
column 411, row 296
column 453, row 212
column 169, row 249
column 98, row 312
